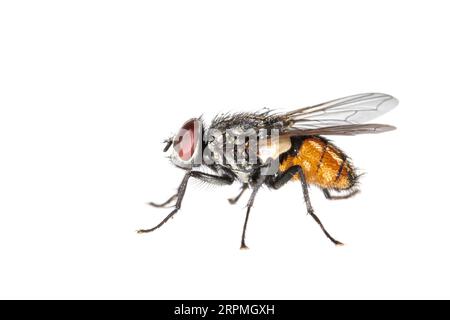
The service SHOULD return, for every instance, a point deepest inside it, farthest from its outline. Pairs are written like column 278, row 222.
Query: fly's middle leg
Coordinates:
column 236, row 199
column 249, row 206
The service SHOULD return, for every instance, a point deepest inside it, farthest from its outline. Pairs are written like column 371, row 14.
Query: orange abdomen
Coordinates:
column 324, row 164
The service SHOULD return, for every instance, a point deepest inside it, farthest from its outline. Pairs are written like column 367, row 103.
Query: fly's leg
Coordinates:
column 164, row 204
column 281, row 179
column 310, row 208
column 179, row 196
column 213, row 179
column 340, row 197
column 220, row 180
column 236, row 199
column 249, row 205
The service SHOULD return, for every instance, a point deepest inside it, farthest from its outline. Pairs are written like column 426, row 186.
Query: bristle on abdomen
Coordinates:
column 324, row 164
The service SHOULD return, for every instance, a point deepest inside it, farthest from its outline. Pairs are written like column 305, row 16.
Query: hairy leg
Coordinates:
column 182, row 189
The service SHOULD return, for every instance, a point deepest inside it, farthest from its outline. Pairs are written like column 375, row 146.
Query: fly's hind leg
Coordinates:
column 236, row 199
column 329, row 196
column 282, row 178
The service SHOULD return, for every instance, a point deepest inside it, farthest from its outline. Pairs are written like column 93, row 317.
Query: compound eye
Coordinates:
column 185, row 141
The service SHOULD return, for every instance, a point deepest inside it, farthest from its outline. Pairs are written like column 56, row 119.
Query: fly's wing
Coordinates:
column 341, row 116
column 347, row 130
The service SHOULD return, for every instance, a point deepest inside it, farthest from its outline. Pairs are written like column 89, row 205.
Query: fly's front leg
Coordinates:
column 236, row 199
column 165, row 203
column 219, row 180
column 213, row 179
column 179, row 196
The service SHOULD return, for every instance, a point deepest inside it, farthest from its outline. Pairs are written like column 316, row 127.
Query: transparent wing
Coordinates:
column 347, row 130
column 346, row 111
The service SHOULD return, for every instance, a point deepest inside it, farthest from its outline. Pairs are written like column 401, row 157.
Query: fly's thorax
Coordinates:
column 244, row 150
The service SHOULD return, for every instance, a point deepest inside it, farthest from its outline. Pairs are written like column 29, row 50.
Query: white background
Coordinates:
column 89, row 89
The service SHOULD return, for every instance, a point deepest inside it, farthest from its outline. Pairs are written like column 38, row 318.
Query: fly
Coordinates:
column 269, row 148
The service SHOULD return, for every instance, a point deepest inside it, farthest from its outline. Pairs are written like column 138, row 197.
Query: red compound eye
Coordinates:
column 185, row 141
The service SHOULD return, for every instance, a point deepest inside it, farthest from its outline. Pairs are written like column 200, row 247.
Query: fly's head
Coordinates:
column 186, row 145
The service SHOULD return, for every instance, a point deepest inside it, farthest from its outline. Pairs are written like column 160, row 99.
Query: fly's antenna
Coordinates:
column 168, row 143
